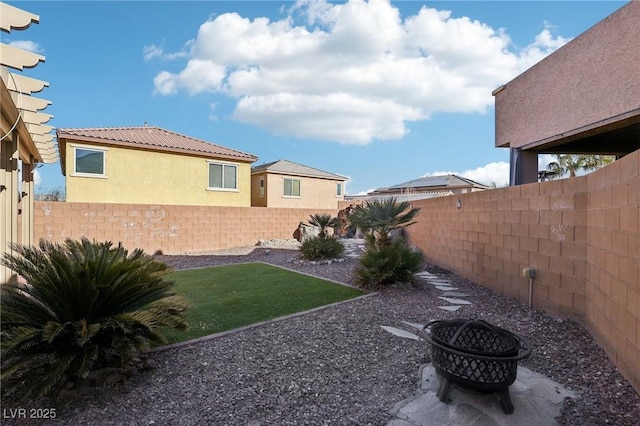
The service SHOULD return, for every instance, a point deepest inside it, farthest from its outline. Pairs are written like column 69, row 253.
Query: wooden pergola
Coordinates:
column 25, row 139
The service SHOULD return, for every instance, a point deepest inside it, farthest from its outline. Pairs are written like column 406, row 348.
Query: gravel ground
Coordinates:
column 337, row 366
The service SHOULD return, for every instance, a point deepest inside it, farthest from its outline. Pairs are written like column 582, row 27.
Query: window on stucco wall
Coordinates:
column 291, row 187
column 339, row 189
column 89, row 162
column 223, row 176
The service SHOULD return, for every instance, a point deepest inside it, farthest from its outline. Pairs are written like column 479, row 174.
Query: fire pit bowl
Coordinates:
column 476, row 355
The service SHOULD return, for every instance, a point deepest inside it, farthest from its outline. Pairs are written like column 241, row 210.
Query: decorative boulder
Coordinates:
column 306, row 232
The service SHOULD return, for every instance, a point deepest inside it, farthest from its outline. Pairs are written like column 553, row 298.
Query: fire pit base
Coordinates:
column 503, row 394
column 475, row 355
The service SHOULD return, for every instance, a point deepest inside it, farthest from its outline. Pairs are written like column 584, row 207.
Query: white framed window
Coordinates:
column 261, row 190
column 90, row 162
column 223, row 176
column 292, row 187
column 338, row 189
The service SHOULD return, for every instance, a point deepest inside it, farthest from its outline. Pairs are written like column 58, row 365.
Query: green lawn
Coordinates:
column 232, row 296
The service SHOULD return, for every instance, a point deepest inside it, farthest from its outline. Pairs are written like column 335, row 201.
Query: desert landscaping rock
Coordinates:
column 337, row 366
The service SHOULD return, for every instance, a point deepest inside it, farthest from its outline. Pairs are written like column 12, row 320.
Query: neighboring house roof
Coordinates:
column 400, row 197
column 441, row 181
column 153, row 138
column 287, row 167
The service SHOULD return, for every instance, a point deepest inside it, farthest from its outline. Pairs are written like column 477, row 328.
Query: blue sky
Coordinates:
column 381, row 92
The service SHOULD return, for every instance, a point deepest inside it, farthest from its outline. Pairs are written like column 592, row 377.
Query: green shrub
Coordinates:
column 384, row 265
column 323, row 221
column 85, row 305
column 381, row 218
column 321, row 248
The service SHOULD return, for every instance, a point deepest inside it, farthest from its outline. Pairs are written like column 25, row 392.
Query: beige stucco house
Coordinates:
column 581, row 99
column 151, row 165
column 284, row 183
column 25, row 140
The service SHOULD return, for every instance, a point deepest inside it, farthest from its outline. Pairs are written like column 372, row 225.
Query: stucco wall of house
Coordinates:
column 315, row 193
column 150, row 177
column 258, row 196
column 591, row 79
column 582, row 235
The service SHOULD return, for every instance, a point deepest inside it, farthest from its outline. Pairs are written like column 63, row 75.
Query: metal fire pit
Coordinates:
column 476, row 355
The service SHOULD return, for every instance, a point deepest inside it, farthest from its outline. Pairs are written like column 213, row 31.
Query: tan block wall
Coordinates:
column 613, row 262
column 497, row 233
column 581, row 235
column 168, row 228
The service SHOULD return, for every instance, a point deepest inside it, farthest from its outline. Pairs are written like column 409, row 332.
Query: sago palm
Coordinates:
column 384, row 265
column 382, row 217
column 82, row 305
column 323, row 221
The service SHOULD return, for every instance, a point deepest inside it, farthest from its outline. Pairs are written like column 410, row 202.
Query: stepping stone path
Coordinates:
column 455, row 300
column 353, row 247
column 449, row 295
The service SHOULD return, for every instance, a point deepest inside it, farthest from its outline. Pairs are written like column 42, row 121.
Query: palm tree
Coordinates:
column 382, row 217
column 568, row 163
column 386, row 260
column 322, row 221
column 84, row 305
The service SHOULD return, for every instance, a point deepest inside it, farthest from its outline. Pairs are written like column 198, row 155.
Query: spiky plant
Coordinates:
column 83, row 305
column 321, row 248
column 384, row 265
column 382, row 217
column 323, row 221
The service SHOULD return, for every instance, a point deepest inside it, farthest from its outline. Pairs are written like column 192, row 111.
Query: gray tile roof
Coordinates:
column 151, row 137
column 287, row 167
column 441, row 181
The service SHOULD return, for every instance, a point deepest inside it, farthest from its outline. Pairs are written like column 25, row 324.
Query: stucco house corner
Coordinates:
column 283, row 183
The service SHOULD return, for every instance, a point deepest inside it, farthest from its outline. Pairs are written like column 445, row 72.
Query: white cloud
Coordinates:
column 152, row 51
column 351, row 72
column 27, row 45
column 165, row 83
column 488, row 174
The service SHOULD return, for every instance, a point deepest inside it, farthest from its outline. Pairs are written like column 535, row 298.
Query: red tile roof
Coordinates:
column 151, row 137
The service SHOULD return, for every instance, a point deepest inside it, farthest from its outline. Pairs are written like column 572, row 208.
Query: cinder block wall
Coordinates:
column 167, row 228
column 613, row 262
column 495, row 234
column 581, row 235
